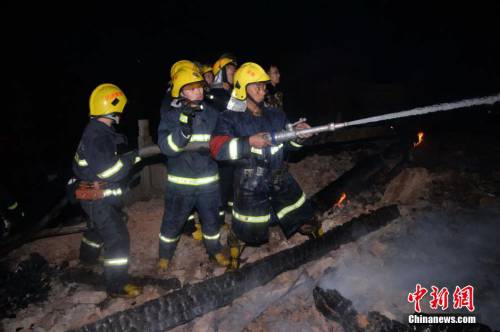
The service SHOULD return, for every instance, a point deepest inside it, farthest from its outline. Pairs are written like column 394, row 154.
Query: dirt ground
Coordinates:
column 286, row 303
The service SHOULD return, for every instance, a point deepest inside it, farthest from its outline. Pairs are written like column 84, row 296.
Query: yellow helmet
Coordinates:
column 221, row 63
column 183, row 64
column 107, row 99
column 183, row 77
column 248, row 73
column 205, row 69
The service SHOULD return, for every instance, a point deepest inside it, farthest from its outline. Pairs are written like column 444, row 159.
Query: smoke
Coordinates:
column 434, row 249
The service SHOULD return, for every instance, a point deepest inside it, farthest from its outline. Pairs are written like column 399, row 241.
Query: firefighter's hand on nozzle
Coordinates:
column 301, row 126
column 259, row 140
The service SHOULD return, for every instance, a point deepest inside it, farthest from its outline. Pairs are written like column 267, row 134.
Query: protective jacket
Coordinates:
column 263, row 186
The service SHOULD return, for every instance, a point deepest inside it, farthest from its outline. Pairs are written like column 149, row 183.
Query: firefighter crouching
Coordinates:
column 98, row 169
column 262, row 184
column 193, row 180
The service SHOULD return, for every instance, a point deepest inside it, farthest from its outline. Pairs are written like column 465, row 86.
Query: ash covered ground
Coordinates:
column 449, row 197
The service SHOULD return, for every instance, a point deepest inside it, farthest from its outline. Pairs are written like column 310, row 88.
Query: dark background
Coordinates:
column 357, row 58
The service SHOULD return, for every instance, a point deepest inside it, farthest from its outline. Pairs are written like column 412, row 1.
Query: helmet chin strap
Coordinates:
column 114, row 117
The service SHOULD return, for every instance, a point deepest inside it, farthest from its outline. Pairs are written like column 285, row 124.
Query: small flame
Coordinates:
column 341, row 200
column 420, row 139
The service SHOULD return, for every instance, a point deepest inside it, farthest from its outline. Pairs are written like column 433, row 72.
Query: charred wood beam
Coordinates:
column 361, row 175
column 182, row 306
column 20, row 239
column 337, row 308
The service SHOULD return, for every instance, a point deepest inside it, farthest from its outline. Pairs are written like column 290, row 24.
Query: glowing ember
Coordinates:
column 341, row 200
column 420, row 139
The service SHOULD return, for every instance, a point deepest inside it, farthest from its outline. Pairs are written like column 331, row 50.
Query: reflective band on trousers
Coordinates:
column 200, row 138
column 297, row 145
column 116, row 262
column 91, row 243
column 221, row 213
column 233, row 149
column 193, row 181
column 80, row 162
column 112, row 170
column 171, row 143
column 283, row 212
column 255, row 219
column 229, row 203
column 275, row 149
column 112, row 192
column 13, row 206
column 211, row 237
column 168, row 239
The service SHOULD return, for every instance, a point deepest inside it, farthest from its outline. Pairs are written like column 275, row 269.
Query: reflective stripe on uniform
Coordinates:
column 211, row 237
column 275, row 149
column 137, row 159
column 169, row 239
column 255, row 150
column 183, row 118
column 233, row 149
column 297, row 145
column 13, row 206
column 116, row 262
column 172, row 145
column 193, row 181
column 256, row 219
column 112, row 192
column 191, row 217
column 287, row 209
column 221, row 213
column 112, row 170
column 229, row 203
column 200, row 138
column 91, row 243
column 80, row 162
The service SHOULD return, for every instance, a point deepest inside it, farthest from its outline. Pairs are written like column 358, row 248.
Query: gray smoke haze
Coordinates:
column 434, row 248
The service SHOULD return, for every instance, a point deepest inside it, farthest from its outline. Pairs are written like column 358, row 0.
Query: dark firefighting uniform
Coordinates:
column 226, row 169
column 96, row 159
column 193, row 180
column 262, row 184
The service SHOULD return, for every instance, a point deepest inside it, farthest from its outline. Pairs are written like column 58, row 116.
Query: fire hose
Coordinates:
column 291, row 133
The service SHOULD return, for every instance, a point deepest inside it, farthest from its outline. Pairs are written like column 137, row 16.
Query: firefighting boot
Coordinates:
column 162, row 266
column 221, row 259
column 313, row 229
column 128, row 291
column 197, row 234
column 236, row 248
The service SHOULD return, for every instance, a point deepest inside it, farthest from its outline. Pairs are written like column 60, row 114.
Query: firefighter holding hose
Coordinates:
column 262, row 184
column 98, row 170
column 193, row 179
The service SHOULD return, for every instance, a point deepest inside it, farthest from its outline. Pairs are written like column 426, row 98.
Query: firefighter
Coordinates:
column 220, row 90
column 193, row 180
column 274, row 97
column 208, row 74
column 99, row 170
column 191, row 226
column 262, row 184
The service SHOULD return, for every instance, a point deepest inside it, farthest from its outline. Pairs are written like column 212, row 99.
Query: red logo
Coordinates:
column 462, row 297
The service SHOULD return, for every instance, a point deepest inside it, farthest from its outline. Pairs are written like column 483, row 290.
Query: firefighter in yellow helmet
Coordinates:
column 193, row 180
column 98, row 171
column 208, row 74
column 264, row 189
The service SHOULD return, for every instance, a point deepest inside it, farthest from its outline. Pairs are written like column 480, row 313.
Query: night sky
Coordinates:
column 357, row 58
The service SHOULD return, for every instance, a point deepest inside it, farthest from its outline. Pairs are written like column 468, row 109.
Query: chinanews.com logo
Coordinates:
column 463, row 298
